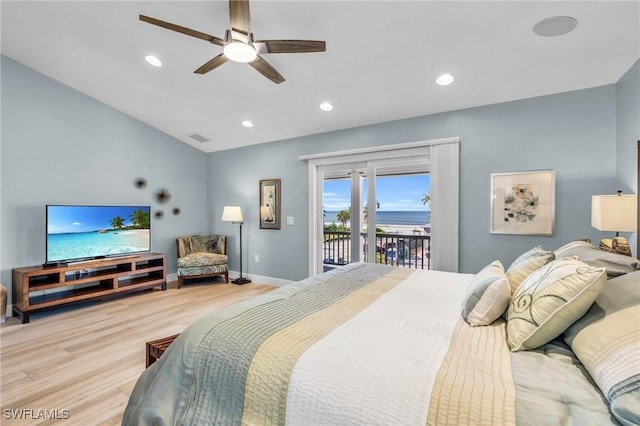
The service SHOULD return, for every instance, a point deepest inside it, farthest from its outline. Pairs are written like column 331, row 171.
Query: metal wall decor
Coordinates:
column 162, row 196
column 140, row 183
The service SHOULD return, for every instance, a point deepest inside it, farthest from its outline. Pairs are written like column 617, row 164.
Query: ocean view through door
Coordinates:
column 399, row 216
column 436, row 246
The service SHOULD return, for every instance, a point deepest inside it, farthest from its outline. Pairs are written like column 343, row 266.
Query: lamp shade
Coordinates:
column 616, row 213
column 232, row 214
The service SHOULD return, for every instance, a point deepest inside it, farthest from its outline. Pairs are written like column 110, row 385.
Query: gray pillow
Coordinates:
column 616, row 264
column 607, row 341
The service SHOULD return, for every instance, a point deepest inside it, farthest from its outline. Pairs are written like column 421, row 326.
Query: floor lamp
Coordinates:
column 234, row 214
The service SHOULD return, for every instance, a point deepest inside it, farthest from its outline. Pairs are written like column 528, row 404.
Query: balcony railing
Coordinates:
column 409, row 251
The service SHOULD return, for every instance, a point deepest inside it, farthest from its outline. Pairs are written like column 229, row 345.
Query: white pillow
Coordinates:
column 487, row 295
column 551, row 299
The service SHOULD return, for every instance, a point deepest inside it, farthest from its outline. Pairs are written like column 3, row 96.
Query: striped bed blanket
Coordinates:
column 366, row 344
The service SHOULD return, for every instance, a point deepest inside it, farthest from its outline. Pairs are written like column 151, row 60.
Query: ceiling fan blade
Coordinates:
column 264, row 68
column 212, row 64
column 182, row 30
column 240, row 16
column 293, row 46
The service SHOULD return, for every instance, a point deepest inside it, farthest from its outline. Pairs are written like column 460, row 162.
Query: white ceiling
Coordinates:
column 381, row 61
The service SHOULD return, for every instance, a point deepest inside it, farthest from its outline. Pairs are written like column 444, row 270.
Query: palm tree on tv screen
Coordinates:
column 117, row 222
column 140, row 219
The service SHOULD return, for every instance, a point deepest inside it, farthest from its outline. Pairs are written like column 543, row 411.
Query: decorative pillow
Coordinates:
column 527, row 263
column 487, row 296
column 616, row 264
column 550, row 300
column 607, row 341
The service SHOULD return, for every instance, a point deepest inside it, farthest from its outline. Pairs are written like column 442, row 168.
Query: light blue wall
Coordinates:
column 572, row 133
column 61, row 146
column 628, row 128
column 628, row 135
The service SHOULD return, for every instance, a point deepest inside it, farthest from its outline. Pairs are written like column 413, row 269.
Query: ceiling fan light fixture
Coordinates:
column 238, row 51
column 444, row 79
column 152, row 60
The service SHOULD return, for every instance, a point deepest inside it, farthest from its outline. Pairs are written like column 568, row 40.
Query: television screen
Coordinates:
column 87, row 232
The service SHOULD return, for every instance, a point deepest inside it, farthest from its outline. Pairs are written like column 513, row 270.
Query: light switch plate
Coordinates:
column 290, row 220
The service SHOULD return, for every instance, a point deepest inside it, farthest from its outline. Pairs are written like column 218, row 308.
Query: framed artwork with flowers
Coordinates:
column 270, row 204
column 523, row 203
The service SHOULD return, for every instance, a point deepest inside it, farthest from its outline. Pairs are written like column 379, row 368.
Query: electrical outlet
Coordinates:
column 257, row 258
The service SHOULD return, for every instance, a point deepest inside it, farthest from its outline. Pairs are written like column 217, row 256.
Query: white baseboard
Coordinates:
column 257, row 278
column 262, row 279
column 9, row 313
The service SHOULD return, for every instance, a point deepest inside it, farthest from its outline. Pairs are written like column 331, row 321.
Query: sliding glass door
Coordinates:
column 386, row 202
column 417, row 244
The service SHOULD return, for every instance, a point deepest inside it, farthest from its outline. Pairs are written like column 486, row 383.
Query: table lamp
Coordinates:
column 615, row 213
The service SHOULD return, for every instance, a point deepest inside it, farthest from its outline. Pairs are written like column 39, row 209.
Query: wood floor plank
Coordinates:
column 87, row 358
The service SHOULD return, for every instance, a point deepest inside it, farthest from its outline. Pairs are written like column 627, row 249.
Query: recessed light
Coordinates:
column 326, row 106
column 555, row 26
column 247, row 123
column 153, row 60
column 444, row 79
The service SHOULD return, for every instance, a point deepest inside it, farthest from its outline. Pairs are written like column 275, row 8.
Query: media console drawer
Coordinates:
column 36, row 288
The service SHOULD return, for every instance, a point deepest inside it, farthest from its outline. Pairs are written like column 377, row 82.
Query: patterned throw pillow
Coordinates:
column 527, row 263
column 607, row 341
column 487, row 295
column 550, row 300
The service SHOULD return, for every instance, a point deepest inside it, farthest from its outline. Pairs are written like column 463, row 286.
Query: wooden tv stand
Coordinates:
column 36, row 288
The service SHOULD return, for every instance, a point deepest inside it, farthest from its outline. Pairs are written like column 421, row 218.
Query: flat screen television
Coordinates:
column 77, row 232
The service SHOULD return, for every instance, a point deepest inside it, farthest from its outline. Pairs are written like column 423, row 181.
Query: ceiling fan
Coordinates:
column 238, row 43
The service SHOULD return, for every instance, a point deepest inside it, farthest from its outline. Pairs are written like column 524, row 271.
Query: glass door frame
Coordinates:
column 443, row 155
column 365, row 167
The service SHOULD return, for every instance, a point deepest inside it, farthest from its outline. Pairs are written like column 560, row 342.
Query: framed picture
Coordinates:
column 523, row 203
column 270, row 204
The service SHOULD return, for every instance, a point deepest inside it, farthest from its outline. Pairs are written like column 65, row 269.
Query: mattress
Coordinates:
column 363, row 344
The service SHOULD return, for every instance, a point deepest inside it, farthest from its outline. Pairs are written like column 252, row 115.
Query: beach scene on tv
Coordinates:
column 82, row 232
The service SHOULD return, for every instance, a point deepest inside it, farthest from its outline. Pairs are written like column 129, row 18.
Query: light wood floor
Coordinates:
column 87, row 358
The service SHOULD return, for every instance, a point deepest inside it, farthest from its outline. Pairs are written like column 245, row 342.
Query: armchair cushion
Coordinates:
column 202, row 259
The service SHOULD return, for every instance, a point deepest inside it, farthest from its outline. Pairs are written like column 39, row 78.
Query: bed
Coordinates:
column 381, row 345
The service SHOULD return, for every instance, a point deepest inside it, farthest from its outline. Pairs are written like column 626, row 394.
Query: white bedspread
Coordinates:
column 390, row 353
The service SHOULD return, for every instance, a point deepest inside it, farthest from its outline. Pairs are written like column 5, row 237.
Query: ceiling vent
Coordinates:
column 199, row 138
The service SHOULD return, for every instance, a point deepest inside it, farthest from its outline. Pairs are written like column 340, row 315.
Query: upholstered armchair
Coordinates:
column 202, row 256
